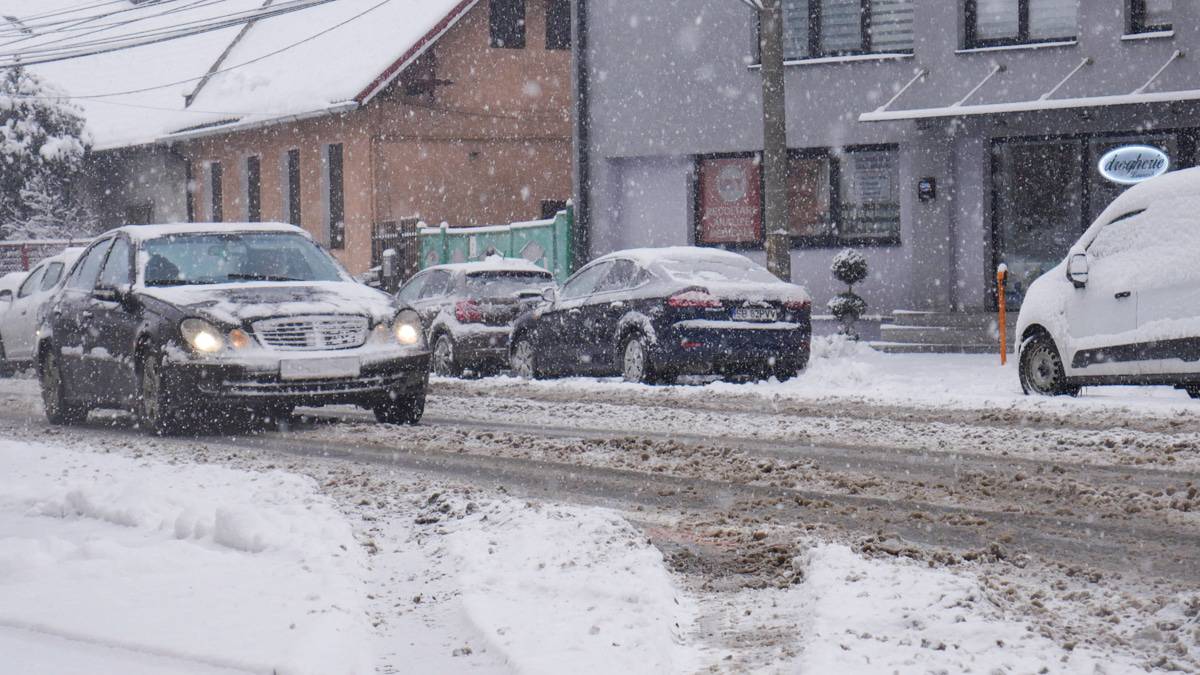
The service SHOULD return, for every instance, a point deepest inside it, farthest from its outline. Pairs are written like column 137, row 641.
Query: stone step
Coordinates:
column 949, row 319
column 939, row 335
column 933, row 348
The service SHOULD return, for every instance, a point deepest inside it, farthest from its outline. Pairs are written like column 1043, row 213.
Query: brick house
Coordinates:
column 442, row 110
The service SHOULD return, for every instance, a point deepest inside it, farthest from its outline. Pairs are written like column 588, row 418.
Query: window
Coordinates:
column 412, row 289
column 253, row 189
column 997, row 23
column 83, row 275
column 729, row 201
column 810, row 195
column 139, row 214
column 291, row 185
column 54, row 273
column 215, row 191
column 551, row 207
column 1148, row 16
column 336, row 197
column 189, row 188
column 117, row 270
column 820, row 28
column 32, row 283
column 869, row 207
column 506, row 19
column 622, row 275
column 583, row 283
column 558, row 24
column 436, row 285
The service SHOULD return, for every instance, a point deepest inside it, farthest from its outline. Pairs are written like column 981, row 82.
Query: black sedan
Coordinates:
column 468, row 309
column 181, row 322
column 652, row 314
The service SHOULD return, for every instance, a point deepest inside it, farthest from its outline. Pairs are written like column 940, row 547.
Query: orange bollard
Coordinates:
column 1001, row 282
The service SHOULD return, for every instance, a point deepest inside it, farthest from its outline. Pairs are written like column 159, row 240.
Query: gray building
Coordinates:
column 940, row 138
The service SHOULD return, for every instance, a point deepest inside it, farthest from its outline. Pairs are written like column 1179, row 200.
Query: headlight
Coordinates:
column 202, row 336
column 407, row 328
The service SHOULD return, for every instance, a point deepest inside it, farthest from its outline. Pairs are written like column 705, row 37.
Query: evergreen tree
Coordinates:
column 43, row 144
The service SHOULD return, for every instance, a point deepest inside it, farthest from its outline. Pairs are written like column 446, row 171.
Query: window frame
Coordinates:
column 866, row 11
column 1137, row 19
column 971, row 28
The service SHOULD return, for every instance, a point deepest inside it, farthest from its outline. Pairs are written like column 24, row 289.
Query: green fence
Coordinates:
column 543, row 242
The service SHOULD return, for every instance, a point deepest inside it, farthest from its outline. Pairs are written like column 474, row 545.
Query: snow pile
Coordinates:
column 558, row 588
column 881, row 616
column 109, row 564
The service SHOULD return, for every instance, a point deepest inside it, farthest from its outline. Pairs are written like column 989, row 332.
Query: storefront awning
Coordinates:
column 1045, row 102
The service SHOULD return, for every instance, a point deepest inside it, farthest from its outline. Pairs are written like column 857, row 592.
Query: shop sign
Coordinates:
column 1133, row 164
column 730, row 201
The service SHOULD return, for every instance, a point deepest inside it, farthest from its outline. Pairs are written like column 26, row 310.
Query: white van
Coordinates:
column 1124, row 306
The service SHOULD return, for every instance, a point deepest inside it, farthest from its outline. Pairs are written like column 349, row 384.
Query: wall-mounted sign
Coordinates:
column 730, row 208
column 1131, row 164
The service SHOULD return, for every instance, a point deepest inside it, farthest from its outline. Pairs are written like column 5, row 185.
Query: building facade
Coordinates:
column 939, row 138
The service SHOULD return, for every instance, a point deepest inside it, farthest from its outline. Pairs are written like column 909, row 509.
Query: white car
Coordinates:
column 1124, row 306
column 23, row 315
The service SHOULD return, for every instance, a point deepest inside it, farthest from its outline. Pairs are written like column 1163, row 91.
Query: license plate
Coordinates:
column 319, row 369
column 754, row 314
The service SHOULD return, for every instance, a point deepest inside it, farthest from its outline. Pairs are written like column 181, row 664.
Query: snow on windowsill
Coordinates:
column 882, row 56
column 1028, row 45
column 1152, row 35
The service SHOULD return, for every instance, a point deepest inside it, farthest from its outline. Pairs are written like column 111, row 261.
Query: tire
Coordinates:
column 786, row 369
column 523, row 360
column 1041, row 369
column 406, row 409
column 1194, row 392
column 443, row 361
column 157, row 412
column 7, row 368
column 637, row 364
column 55, row 393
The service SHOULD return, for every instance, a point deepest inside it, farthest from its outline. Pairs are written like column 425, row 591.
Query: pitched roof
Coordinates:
column 318, row 60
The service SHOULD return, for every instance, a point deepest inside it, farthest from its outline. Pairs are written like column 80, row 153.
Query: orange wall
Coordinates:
column 486, row 149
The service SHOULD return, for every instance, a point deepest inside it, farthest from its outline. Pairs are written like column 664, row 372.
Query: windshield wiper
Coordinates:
column 260, row 277
column 178, row 282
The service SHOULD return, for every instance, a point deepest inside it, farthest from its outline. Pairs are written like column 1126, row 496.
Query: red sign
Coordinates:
column 730, row 201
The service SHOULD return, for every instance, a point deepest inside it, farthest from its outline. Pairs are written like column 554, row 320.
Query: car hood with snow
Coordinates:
column 239, row 303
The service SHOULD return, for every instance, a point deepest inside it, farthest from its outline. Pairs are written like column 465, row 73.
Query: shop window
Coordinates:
column 506, row 20
column 869, row 196
column 215, row 192
column 1149, row 16
column 810, row 191
column 558, row 24
column 336, row 198
column 729, row 201
column 253, row 189
column 820, row 28
column 997, row 23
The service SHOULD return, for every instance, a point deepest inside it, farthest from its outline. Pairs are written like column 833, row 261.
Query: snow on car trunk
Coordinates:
column 122, row 565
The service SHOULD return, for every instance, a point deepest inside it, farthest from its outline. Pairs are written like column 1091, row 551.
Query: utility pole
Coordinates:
column 774, row 160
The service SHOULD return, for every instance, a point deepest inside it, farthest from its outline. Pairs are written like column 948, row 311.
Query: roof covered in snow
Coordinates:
column 491, row 264
column 319, row 59
column 143, row 232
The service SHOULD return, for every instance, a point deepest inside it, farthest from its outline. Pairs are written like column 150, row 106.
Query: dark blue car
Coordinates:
column 652, row 314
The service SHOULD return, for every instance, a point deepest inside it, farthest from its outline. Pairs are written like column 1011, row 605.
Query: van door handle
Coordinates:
column 1122, row 295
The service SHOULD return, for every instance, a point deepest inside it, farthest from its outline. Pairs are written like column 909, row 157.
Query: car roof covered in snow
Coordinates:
column 649, row 256
column 67, row 256
column 491, row 264
column 144, row 232
column 1171, row 186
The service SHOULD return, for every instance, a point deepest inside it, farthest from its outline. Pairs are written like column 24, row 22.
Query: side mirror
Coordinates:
column 111, row 293
column 550, row 295
column 6, row 296
column 1077, row 270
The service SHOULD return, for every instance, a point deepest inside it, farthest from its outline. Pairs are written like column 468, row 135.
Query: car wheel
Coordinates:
column 636, row 364
column 401, row 409
column 1041, row 369
column 786, row 369
column 155, row 409
column 55, row 396
column 523, row 359
column 7, row 369
column 443, row 357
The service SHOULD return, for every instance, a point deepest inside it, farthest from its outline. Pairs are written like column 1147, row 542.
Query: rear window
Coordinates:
column 717, row 269
column 506, row 283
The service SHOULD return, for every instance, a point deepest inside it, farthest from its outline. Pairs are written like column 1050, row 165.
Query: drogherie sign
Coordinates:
column 1133, row 164
column 730, row 209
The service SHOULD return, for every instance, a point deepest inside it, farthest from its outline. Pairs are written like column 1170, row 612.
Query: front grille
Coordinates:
column 312, row 332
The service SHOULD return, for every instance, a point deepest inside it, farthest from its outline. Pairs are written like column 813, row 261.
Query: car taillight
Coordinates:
column 797, row 305
column 467, row 311
column 694, row 298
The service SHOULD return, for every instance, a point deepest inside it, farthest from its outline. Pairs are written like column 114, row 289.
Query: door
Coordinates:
column 562, row 333
column 70, row 318
column 20, row 322
column 109, row 347
column 607, row 306
column 433, row 295
column 1038, row 208
column 1102, row 315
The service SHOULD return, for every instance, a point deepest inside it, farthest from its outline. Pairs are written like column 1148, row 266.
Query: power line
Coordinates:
column 80, row 30
column 30, row 29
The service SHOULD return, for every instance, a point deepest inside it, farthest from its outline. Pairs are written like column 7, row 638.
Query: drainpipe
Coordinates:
column 581, row 226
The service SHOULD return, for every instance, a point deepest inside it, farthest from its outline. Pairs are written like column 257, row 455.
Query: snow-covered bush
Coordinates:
column 43, row 144
column 849, row 267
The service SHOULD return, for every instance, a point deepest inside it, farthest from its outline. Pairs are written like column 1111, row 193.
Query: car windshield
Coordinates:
column 500, row 284
column 717, row 269
column 190, row 259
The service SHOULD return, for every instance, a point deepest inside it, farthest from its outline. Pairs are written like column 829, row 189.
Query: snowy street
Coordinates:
column 876, row 514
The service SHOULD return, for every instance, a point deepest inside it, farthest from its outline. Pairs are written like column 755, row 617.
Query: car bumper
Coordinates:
column 483, row 347
column 227, row 383
column 721, row 346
